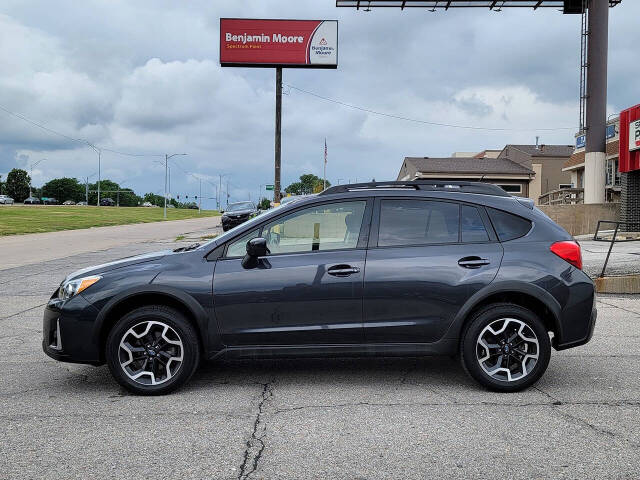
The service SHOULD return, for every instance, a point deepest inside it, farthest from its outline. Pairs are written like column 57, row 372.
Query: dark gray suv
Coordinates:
column 396, row 268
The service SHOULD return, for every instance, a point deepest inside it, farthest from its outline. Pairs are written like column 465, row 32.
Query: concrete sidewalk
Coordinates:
column 20, row 250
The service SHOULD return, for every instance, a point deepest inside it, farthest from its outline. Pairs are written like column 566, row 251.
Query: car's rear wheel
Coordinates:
column 505, row 347
column 152, row 350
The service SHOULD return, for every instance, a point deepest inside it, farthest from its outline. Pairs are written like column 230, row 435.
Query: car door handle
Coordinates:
column 342, row 270
column 473, row 262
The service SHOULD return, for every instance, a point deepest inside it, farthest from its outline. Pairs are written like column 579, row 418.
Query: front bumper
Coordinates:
column 230, row 222
column 67, row 331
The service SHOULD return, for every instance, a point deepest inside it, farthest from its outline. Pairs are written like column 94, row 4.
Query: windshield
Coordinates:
column 230, row 233
column 234, row 207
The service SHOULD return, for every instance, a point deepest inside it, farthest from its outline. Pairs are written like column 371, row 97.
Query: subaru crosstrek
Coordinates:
column 397, row 268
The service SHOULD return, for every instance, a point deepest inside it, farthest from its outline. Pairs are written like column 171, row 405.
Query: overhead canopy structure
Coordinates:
column 567, row 6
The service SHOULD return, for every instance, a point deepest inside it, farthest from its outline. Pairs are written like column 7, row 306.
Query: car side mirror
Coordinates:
column 257, row 247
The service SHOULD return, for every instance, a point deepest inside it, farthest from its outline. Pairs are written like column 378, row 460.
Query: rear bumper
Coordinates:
column 590, row 328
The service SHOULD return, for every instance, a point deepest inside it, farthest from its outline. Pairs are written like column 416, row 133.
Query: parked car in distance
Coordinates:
column 82, row 203
column 32, row 201
column 49, row 201
column 147, row 204
column 68, row 202
column 107, row 202
column 193, row 206
column 6, row 200
column 238, row 213
column 396, row 268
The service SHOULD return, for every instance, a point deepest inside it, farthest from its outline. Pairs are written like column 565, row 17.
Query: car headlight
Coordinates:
column 73, row 287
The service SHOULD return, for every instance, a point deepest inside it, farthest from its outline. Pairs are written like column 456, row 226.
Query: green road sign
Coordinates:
column 269, row 187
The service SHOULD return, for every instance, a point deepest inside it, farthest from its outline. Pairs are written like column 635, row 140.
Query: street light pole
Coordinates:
column 166, row 177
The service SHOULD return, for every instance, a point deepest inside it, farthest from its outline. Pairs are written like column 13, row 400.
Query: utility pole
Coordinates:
column 99, row 152
column 199, row 197
column 167, row 178
column 228, row 193
column 31, row 176
column 278, row 142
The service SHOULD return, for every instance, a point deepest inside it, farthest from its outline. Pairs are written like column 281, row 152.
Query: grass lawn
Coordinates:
column 18, row 219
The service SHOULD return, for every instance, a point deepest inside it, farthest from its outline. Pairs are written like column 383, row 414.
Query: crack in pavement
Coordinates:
column 624, row 403
column 23, row 311
column 580, row 421
column 256, row 441
column 637, row 314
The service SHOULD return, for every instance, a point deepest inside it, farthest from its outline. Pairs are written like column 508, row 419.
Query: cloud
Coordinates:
column 144, row 77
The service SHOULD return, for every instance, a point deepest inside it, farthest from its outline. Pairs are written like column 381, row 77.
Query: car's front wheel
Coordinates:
column 505, row 347
column 152, row 350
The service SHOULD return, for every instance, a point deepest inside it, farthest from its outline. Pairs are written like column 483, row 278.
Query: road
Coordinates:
column 357, row 418
column 18, row 250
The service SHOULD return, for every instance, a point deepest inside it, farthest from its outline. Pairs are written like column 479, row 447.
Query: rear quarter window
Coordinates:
column 507, row 225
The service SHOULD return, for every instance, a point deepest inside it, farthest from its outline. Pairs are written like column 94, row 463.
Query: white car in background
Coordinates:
column 6, row 200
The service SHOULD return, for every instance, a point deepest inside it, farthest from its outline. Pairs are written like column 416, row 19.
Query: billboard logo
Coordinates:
column 323, row 41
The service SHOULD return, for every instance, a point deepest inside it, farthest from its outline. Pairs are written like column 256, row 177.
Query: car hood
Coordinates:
column 239, row 212
column 124, row 262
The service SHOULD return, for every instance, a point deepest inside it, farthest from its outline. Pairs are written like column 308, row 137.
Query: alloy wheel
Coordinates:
column 507, row 349
column 150, row 352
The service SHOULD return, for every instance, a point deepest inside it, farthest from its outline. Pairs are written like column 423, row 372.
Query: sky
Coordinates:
column 143, row 77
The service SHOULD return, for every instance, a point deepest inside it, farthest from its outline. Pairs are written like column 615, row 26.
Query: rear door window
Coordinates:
column 507, row 225
column 418, row 222
column 473, row 229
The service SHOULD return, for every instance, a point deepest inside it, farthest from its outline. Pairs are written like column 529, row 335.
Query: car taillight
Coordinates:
column 569, row 251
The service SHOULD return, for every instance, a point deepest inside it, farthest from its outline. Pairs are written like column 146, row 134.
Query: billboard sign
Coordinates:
column 278, row 43
column 629, row 149
column 634, row 135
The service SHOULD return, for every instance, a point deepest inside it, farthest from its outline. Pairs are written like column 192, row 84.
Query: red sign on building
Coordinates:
column 629, row 154
column 278, row 43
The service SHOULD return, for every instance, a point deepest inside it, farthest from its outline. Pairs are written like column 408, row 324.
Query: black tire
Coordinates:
column 469, row 355
column 181, row 327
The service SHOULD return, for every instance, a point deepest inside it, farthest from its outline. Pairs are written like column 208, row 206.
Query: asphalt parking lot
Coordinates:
column 356, row 418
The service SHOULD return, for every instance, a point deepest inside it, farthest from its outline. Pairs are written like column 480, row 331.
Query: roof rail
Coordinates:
column 432, row 185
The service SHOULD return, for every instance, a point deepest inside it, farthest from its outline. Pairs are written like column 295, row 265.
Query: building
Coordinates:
column 575, row 164
column 547, row 161
column 511, row 176
column 524, row 170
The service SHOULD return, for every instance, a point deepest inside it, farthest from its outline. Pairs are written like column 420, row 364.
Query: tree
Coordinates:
column 64, row 189
column 109, row 189
column 309, row 183
column 264, row 204
column 154, row 199
column 17, row 185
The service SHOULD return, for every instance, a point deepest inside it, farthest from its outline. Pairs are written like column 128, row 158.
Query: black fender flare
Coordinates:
column 191, row 304
column 509, row 286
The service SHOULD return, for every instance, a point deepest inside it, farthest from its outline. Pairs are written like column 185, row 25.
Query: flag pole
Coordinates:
column 324, row 175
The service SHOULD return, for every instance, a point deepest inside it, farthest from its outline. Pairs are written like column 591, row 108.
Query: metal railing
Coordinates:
column 611, row 235
column 562, row 196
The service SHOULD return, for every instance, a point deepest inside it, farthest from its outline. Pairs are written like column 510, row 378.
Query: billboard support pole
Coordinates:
column 278, row 144
column 595, row 151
